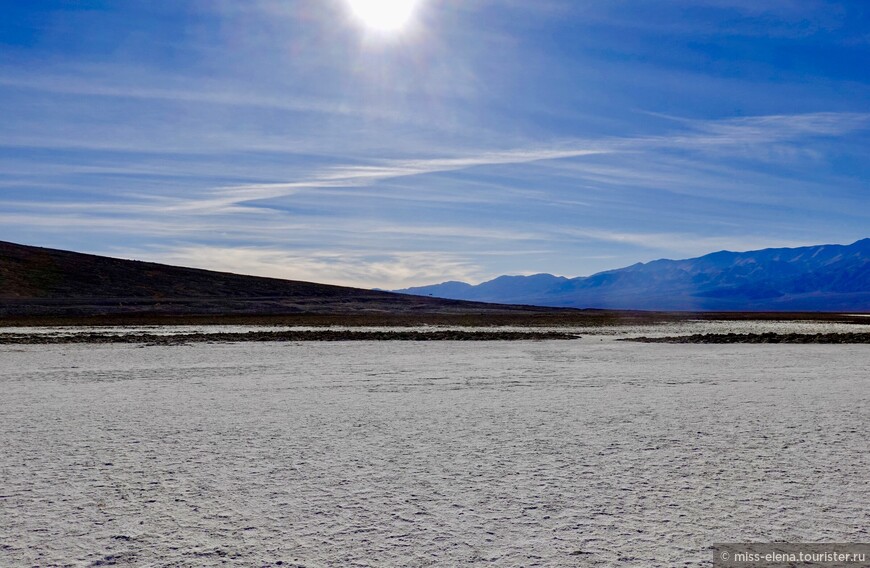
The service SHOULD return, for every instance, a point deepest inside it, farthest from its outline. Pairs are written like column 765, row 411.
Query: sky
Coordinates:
column 297, row 139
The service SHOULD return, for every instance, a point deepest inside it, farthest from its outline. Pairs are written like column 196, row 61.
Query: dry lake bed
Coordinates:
column 592, row 452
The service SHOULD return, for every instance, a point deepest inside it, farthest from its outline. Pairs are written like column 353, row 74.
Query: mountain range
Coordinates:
column 831, row 278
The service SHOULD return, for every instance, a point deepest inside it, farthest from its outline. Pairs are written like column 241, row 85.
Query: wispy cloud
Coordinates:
column 771, row 128
column 391, row 270
column 745, row 135
column 364, row 175
column 217, row 94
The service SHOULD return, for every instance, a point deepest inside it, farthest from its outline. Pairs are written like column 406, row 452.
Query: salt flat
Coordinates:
column 584, row 453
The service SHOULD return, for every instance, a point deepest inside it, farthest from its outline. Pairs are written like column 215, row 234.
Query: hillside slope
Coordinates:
column 39, row 281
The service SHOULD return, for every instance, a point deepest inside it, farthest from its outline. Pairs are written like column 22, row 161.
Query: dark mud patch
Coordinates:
column 283, row 336
column 794, row 338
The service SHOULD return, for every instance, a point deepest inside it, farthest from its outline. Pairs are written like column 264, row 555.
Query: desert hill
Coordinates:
column 47, row 282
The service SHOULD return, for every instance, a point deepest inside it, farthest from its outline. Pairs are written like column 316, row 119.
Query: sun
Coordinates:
column 383, row 15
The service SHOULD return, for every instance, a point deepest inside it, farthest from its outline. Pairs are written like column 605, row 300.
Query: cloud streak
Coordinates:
column 745, row 135
column 393, row 269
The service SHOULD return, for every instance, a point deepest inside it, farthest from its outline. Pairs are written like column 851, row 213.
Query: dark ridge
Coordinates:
column 282, row 336
column 542, row 317
column 802, row 338
column 46, row 283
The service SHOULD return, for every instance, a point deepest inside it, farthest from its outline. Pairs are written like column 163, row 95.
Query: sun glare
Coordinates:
column 383, row 15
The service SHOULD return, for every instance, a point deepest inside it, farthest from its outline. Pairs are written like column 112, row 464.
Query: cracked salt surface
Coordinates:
column 581, row 453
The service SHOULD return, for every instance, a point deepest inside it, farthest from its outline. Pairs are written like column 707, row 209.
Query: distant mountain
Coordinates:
column 46, row 282
column 816, row 278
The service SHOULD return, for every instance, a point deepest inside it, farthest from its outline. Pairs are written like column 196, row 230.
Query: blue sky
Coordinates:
column 286, row 138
